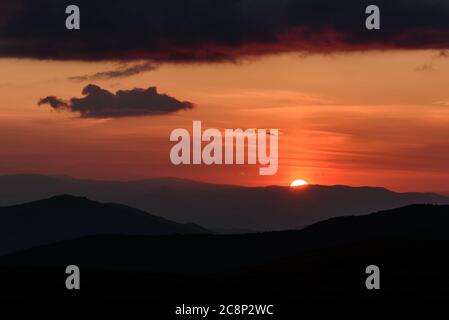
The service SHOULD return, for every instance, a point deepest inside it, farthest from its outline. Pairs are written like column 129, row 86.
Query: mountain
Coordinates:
column 325, row 260
column 68, row 217
column 220, row 207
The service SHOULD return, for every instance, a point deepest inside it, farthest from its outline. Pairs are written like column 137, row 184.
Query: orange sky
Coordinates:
column 358, row 119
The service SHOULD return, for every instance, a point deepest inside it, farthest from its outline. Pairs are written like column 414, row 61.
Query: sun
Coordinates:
column 299, row 183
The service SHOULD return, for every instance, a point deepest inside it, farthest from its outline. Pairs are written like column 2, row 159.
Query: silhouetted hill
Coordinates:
column 219, row 207
column 213, row 253
column 326, row 260
column 68, row 217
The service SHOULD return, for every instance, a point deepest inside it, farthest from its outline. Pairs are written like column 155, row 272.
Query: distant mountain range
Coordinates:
column 219, row 207
column 67, row 217
column 325, row 260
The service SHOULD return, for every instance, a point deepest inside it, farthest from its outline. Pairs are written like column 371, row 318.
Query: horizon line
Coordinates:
column 66, row 176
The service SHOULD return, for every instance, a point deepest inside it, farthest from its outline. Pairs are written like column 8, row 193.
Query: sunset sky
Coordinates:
column 355, row 117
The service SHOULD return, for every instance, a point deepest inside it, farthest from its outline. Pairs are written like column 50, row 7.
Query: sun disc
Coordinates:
column 299, row 183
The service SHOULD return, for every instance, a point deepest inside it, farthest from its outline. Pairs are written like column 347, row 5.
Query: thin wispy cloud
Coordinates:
column 427, row 67
column 121, row 72
column 443, row 54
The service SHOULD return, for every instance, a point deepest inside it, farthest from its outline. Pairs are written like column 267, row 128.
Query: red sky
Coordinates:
column 377, row 118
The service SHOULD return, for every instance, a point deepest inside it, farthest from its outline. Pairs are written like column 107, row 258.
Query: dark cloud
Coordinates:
column 122, row 72
column 100, row 103
column 218, row 30
column 54, row 102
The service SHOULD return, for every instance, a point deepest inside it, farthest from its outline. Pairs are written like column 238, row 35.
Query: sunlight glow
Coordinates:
column 299, row 183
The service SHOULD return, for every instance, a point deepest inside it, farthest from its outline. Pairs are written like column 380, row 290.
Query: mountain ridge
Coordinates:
column 208, row 252
column 326, row 260
column 219, row 207
column 66, row 217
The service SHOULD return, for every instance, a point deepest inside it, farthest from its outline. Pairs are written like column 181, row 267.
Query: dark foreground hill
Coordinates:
column 220, row 207
column 326, row 260
column 67, row 217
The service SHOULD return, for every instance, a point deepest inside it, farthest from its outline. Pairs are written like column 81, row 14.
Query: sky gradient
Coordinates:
column 370, row 118
column 352, row 107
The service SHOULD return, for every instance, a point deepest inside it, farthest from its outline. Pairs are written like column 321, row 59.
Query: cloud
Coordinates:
column 100, row 103
column 54, row 102
column 427, row 67
column 218, row 30
column 443, row 54
column 122, row 72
